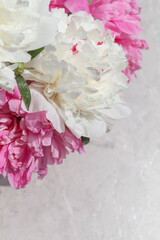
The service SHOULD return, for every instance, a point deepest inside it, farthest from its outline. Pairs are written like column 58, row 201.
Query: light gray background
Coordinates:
column 113, row 191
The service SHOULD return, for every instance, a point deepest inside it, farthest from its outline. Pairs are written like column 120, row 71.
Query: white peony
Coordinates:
column 24, row 25
column 81, row 76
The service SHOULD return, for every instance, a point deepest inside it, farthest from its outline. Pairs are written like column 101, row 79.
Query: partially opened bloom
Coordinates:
column 80, row 77
column 123, row 19
column 28, row 141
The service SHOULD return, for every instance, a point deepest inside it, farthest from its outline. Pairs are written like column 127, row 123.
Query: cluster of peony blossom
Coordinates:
column 63, row 67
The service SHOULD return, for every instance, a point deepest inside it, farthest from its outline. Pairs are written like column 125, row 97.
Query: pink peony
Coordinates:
column 28, row 141
column 122, row 18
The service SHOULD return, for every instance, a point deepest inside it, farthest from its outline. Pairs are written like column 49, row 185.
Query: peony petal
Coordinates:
column 76, row 6
column 7, row 79
column 39, row 103
column 118, row 111
column 3, row 160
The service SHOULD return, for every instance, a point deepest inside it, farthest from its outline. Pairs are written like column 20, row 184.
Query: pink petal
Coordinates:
column 75, row 6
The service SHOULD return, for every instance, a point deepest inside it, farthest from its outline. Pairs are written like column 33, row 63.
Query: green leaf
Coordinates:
column 34, row 53
column 85, row 140
column 89, row 1
column 24, row 90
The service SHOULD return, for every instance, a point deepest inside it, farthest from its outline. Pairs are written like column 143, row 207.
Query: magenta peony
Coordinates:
column 122, row 18
column 28, row 141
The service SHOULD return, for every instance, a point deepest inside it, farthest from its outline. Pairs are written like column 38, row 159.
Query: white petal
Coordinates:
column 83, row 126
column 39, row 103
column 118, row 111
column 14, row 56
column 47, row 27
column 7, row 79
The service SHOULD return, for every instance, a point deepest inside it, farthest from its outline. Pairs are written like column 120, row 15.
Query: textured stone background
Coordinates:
column 113, row 191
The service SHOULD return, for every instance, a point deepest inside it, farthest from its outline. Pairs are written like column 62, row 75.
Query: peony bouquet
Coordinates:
column 64, row 65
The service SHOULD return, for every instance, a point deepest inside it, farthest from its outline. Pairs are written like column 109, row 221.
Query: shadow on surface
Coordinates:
column 4, row 181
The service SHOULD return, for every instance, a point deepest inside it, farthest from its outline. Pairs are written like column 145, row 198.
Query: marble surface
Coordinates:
column 113, row 191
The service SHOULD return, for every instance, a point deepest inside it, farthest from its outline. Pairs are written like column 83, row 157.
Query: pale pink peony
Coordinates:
column 28, row 141
column 122, row 18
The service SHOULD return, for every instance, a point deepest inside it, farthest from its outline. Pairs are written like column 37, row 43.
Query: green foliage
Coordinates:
column 34, row 53
column 24, row 90
column 85, row 140
column 22, row 84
